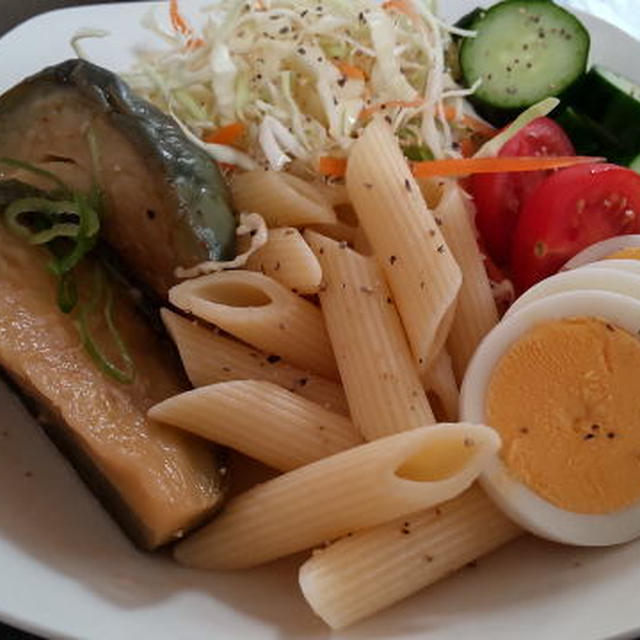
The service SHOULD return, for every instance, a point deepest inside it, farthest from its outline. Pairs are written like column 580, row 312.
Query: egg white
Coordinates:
column 523, row 505
column 629, row 265
column 600, row 278
column 602, row 249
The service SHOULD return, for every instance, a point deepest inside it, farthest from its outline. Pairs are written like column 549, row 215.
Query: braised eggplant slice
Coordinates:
column 165, row 202
column 158, row 482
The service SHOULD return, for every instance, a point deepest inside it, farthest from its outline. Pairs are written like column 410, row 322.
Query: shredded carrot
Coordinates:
column 402, row 6
column 476, row 125
column 466, row 166
column 381, row 106
column 178, row 22
column 468, row 147
column 334, row 167
column 194, row 43
column 349, row 70
column 228, row 134
column 337, row 167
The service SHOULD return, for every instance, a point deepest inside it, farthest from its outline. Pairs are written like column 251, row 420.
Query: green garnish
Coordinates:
column 67, row 222
column 101, row 289
column 19, row 164
column 418, row 153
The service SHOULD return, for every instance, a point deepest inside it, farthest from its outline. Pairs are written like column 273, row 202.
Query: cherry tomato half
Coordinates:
column 569, row 211
column 500, row 196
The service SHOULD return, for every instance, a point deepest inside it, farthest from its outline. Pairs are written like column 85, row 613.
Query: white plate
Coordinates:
column 66, row 571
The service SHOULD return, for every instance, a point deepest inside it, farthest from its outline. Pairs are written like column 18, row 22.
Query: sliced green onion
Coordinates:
column 67, row 293
column 61, row 230
column 126, row 374
column 95, row 197
column 27, row 166
column 89, row 224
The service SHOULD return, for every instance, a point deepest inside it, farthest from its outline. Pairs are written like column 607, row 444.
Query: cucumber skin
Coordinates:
column 613, row 110
column 499, row 116
column 602, row 120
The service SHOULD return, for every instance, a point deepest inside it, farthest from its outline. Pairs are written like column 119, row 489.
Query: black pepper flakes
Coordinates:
column 303, row 382
column 611, row 435
column 588, row 436
column 407, row 184
column 226, row 369
column 277, row 267
column 368, row 185
column 441, row 249
column 273, row 359
column 393, row 260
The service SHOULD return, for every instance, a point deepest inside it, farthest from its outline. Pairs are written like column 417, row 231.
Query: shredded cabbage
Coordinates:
column 300, row 75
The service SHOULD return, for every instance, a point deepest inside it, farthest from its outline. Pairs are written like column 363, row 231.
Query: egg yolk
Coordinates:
column 630, row 253
column 565, row 399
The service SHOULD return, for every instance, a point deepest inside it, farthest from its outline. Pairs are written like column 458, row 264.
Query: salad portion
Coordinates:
column 350, row 217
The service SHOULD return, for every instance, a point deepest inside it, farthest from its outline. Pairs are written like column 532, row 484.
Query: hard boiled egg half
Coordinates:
column 559, row 379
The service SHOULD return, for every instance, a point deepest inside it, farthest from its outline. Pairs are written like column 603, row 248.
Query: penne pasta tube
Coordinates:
column 422, row 273
column 209, row 357
column 364, row 573
column 261, row 420
column 281, row 199
column 287, row 258
column 476, row 313
column 262, row 312
column 340, row 231
column 352, row 490
column 442, row 388
column 379, row 375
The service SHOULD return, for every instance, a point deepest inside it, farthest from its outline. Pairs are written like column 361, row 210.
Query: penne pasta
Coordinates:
column 340, row 231
column 376, row 367
column 262, row 312
column 209, row 357
column 352, row 490
column 261, row 420
column 422, row 273
column 281, row 199
column 362, row 574
column 287, row 258
column 476, row 313
column 442, row 388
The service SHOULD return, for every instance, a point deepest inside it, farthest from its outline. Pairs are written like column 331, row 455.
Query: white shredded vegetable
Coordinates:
column 538, row 110
column 304, row 77
column 251, row 224
column 83, row 34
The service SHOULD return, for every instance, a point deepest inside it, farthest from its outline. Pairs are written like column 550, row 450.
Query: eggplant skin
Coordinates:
column 166, row 203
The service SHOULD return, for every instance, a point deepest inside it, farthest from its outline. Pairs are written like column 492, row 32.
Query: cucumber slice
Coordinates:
column 613, row 102
column 589, row 137
column 524, row 51
column 635, row 164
